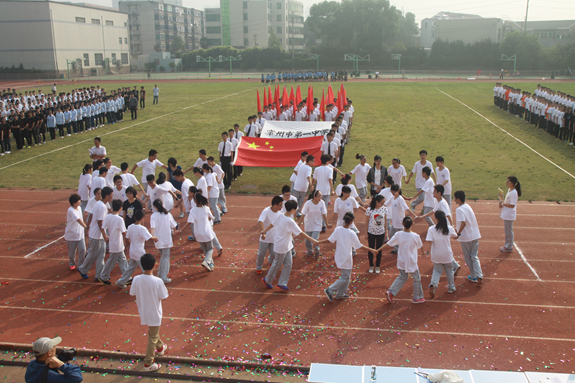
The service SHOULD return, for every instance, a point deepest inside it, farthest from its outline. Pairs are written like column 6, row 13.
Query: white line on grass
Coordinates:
column 305, row 326
column 127, row 127
column 526, row 261
column 42, row 247
column 506, row 132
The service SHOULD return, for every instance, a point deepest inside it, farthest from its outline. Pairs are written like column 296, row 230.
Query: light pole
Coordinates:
column 356, row 59
column 398, row 58
column 208, row 60
column 512, row 58
column 230, row 59
column 315, row 57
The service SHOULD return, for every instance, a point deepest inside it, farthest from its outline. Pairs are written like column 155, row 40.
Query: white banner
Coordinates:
column 295, row 129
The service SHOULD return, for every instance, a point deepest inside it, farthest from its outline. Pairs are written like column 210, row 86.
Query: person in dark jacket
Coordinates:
column 376, row 176
column 134, row 106
column 47, row 367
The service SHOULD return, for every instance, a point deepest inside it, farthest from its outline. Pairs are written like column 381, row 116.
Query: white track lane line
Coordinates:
column 509, row 134
column 526, row 261
column 27, row 256
column 288, row 325
column 127, row 127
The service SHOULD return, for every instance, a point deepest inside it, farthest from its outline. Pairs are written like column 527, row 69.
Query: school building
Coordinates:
column 250, row 23
column 80, row 39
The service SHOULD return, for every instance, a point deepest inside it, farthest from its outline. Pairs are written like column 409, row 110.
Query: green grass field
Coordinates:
column 391, row 119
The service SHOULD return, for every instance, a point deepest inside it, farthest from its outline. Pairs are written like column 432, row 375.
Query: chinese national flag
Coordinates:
column 259, row 103
column 275, row 152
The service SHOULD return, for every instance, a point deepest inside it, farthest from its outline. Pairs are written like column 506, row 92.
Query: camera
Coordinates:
column 67, row 355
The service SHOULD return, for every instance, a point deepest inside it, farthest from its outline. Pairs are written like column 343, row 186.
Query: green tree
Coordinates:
column 172, row 66
column 179, row 67
column 204, row 43
column 150, row 66
column 162, row 69
column 526, row 47
column 177, row 44
column 273, row 42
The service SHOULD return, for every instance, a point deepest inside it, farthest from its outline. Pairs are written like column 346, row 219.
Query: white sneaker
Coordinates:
column 377, row 270
column 370, row 269
column 153, row 367
column 163, row 350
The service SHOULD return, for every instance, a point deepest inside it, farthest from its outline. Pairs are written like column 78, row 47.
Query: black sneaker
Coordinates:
column 104, row 282
column 129, row 282
column 328, row 295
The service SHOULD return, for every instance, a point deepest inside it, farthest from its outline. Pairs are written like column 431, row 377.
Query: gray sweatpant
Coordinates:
column 114, row 258
column 310, row 246
column 222, row 200
column 339, row 287
column 509, row 236
column 438, row 269
column 427, row 209
column 215, row 210
column 262, row 250
column 72, row 246
column 392, row 233
column 95, row 254
column 400, row 281
column 418, row 200
column 285, row 260
column 164, row 268
column 300, row 195
column 470, row 250
column 447, row 197
column 127, row 274
column 208, row 249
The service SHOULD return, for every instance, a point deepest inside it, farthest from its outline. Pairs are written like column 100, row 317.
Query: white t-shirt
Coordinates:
column 345, row 241
column 74, row 231
column 268, row 217
column 186, row 193
column 442, row 206
column 101, row 151
column 283, row 209
column 116, row 226
column 324, row 177
column 129, row 179
column 214, row 192
column 286, row 227
column 138, row 235
column 83, row 184
column 158, row 192
column 110, row 175
column 163, row 223
column 148, row 168
column 149, row 292
column 386, row 193
column 428, row 188
column 407, row 253
column 464, row 213
column 397, row 174
column 397, row 206
column 442, row 176
column 200, row 218
column 293, row 175
column 313, row 215
column 417, row 168
column 341, row 207
column 203, row 186
column 377, row 220
column 353, row 193
column 97, row 182
column 99, row 212
column 441, row 244
column 508, row 213
column 119, row 194
column 219, row 174
column 361, row 175
column 168, row 199
column 301, row 181
column 90, row 205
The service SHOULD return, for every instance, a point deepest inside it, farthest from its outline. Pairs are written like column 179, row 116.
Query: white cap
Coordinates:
column 43, row 345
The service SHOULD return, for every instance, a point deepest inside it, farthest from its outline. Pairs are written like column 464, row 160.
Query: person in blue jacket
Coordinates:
column 47, row 368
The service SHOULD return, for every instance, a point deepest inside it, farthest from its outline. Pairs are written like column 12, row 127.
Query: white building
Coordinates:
column 249, row 23
column 61, row 36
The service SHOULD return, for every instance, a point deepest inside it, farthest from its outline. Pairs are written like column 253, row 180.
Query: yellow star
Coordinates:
column 271, row 147
column 253, row 145
column 267, row 143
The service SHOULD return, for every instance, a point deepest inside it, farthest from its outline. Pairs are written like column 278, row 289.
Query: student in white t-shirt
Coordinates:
column 283, row 244
column 468, row 235
column 202, row 219
column 303, row 182
column 397, row 207
column 508, row 212
column 74, row 232
column 345, row 182
column 219, row 174
column 136, row 235
column 301, row 162
column 386, row 193
column 161, row 225
column 267, row 217
column 313, row 216
column 346, row 244
column 426, row 189
column 323, row 178
column 128, row 179
column 149, row 292
column 376, row 230
column 149, row 166
column 84, row 186
column 361, row 171
column 213, row 192
column 116, row 228
column 443, row 178
column 397, row 171
column 99, row 181
column 408, row 243
column 441, row 253
column 419, row 179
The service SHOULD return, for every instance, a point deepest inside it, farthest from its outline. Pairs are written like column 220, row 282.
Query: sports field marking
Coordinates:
column 287, row 325
column 526, row 261
column 42, row 247
column 127, row 127
column 509, row 134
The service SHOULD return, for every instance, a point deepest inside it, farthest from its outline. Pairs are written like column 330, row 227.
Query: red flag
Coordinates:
column 309, row 100
column 275, row 152
column 322, row 106
column 292, row 101
column 270, row 95
column 265, row 99
column 298, row 95
column 259, row 104
column 285, row 97
column 343, row 96
column 277, row 100
column 329, row 95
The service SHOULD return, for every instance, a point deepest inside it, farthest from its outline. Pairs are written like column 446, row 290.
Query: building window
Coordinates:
column 109, row 22
column 269, row 17
column 214, row 42
column 245, row 29
column 212, row 17
column 279, row 30
column 245, row 5
column 120, row 40
column 213, row 30
column 113, row 59
column 98, row 59
column 279, row 18
column 125, row 40
column 96, row 21
column 295, row 7
column 125, row 58
column 125, row 24
column 245, row 17
column 279, row 5
column 80, row 19
column 86, row 59
column 246, row 42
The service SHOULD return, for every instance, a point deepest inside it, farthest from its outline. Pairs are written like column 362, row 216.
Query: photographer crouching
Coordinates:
column 52, row 367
